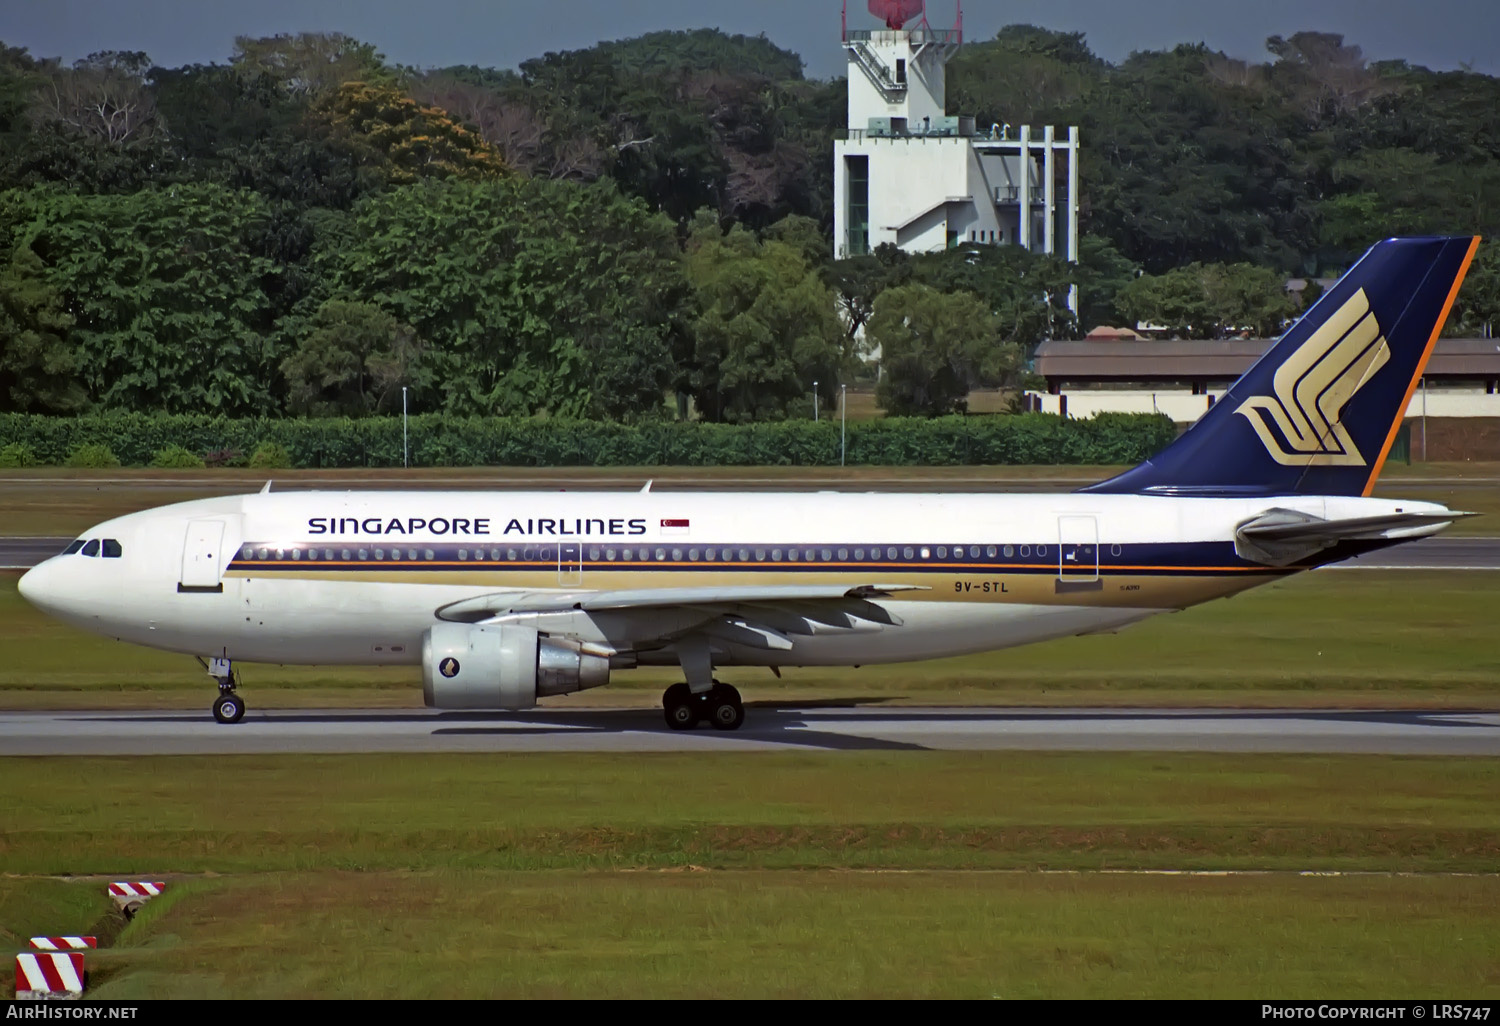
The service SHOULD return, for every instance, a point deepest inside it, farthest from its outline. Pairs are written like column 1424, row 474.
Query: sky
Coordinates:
column 1441, row 34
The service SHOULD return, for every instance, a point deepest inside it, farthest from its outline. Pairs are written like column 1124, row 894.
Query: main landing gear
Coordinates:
column 229, row 707
column 720, row 705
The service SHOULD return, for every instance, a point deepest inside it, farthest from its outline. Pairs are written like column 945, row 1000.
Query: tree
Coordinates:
column 858, row 281
column 103, row 97
column 38, row 363
column 1477, row 310
column 1027, row 292
column 167, row 298
column 409, row 140
column 765, row 328
column 1210, row 300
column 354, row 362
column 933, row 348
column 312, row 63
column 531, row 296
column 526, row 139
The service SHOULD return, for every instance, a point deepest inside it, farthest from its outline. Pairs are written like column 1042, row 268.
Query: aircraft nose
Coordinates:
column 38, row 586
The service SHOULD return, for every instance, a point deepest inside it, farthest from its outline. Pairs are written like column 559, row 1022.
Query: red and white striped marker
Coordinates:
column 136, row 889
column 63, row 943
column 49, row 974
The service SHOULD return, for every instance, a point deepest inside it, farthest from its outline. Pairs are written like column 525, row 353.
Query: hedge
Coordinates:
column 437, row 440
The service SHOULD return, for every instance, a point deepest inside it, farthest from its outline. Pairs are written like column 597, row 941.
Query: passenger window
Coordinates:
column 776, row 555
column 110, row 549
column 628, row 555
column 890, row 553
column 594, row 555
column 72, row 548
column 693, row 555
column 908, row 552
column 92, row 548
column 744, row 555
column 661, row 554
column 677, row 555
column 795, row 555
column 827, row 555
column 364, row 553
column 609, row 554
column 710, row 555
column 463, row 554
column 942, row 552
column 1009, row 552
column 843, row 554
column 296, row 553
column 428, row 554
column 760, row 555
column 380, row 553
column 859, row 553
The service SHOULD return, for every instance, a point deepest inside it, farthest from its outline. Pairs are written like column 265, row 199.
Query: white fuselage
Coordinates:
column 358, row 577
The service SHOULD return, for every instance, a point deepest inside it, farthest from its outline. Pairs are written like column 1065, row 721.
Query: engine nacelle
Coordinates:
column 469, row 666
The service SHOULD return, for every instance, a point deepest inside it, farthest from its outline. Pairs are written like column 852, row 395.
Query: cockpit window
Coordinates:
column 110, row 549
column 73, row 547
column 92, row 548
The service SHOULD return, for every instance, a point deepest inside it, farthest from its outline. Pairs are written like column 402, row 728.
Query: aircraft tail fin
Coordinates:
column 1317, row 414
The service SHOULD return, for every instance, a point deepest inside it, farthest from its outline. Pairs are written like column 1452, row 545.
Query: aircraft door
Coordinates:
column 203, row 557
column 1078, row 550
column 570, row 563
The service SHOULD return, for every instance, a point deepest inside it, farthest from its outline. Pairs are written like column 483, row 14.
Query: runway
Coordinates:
column 781, row 727
column 1424, row 554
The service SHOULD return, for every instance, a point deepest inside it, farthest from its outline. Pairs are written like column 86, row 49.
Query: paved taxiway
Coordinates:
column 1427, row 553
column 777, row 727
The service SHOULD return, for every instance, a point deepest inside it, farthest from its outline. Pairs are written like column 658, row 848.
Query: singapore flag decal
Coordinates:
column 674, row 526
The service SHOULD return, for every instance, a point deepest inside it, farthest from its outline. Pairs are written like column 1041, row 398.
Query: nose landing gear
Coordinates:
column 229, row 707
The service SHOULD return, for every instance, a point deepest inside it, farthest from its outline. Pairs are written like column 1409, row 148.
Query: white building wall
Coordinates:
column 926, row 86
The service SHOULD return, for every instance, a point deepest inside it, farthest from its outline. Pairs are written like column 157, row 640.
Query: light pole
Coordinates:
column 815, row 402
column 843, row 420
column 404, row 461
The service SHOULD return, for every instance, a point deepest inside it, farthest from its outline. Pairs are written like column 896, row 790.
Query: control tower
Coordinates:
column 910, row 174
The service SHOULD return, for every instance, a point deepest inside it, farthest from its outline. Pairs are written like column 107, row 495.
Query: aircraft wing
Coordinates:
column 758, row 616
column 1279, row 537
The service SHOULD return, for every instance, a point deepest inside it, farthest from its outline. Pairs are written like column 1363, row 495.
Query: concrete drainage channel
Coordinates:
column 54, row 969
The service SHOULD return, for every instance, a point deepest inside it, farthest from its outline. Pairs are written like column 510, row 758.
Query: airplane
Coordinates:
column 503, row 598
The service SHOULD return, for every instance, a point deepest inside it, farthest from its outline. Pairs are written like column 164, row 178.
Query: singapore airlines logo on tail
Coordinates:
column 1315, row 384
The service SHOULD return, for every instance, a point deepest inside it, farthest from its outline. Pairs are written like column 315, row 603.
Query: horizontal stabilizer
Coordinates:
column 1280, row 537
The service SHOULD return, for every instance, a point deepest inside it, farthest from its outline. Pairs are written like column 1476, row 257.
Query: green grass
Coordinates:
column 908, row 810
column 821, row 934
column 34, row 907
column 1331, row 638
column 802, row 874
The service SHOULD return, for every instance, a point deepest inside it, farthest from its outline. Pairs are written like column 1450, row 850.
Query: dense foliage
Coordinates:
column 640, row 231
column 437, row 440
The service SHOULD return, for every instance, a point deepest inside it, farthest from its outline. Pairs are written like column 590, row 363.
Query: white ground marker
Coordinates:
column 64, row 943
column 49, row 974
column 131, row 895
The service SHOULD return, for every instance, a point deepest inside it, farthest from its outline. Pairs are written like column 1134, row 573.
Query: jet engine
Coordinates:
column 469, row 666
